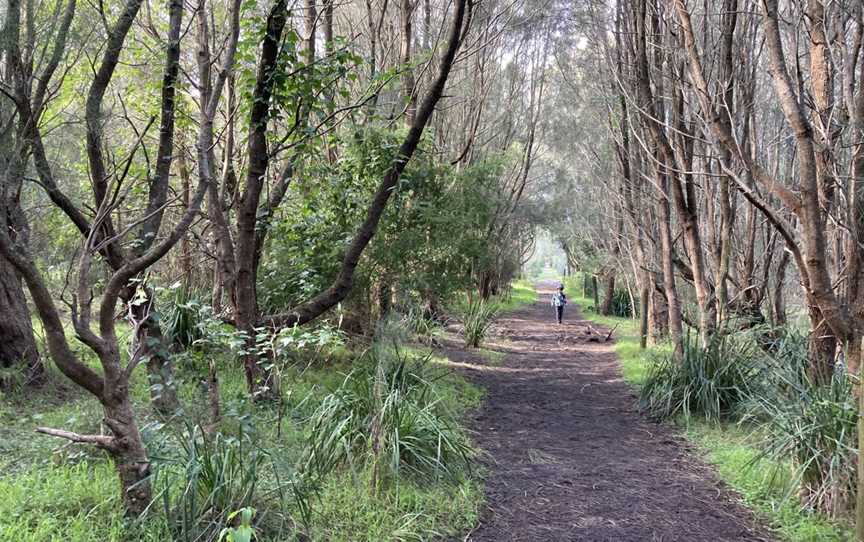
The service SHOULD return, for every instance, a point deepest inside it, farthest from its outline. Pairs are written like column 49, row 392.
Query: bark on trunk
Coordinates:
column 644, row 330
column 673, row 305
column 129, row 454
column 17, row 343
column 778, row 302
column 609, row 295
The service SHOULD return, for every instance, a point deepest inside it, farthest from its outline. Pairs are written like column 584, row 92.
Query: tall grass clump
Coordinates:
column 808, row 423
column 180, row 323
column 423, row 325
column 712, row 381
column 477, row 319
column 386, row 414
column 621, row 304
column 212, row 476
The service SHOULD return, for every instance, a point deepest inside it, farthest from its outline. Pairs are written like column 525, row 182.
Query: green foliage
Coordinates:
column 68, row 502
column 216, row 475
column 244, row 532
column 70, row 493
column 182, row 323
column 621, row 305
column 711, row 381
column 421, row 324
column 813, row 424
column 411, row 511
column 764, row 484
column 477, row 319
column 387, row 414
column 432, row 236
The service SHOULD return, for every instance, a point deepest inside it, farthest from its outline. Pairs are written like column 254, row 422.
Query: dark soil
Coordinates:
column 569, row 456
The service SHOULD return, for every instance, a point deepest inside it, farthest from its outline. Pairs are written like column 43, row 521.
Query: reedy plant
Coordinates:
column 386, row 415
column 477, row 319
column 214, row 476
column 808, row 423
column 711, row 382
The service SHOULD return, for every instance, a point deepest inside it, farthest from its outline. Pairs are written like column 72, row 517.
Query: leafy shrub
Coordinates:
column 711, row 381
column 811, row 423
column 386, row 413
column 477, row 319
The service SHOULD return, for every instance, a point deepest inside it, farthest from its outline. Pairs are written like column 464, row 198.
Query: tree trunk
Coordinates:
column 673, row 305
column 17, row 344
column 608, row 298
column 406, row 14
column 822, row 347
column 644, row 330
column 129, row 454
column 778, row 304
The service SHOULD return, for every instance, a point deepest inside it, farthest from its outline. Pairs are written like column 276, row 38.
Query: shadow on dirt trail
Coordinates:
column 569, row 455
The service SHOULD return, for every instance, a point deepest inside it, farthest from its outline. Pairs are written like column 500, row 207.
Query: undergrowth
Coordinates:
column 256, row 457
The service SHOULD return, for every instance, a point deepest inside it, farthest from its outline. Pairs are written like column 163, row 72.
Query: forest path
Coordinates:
column 569, row 456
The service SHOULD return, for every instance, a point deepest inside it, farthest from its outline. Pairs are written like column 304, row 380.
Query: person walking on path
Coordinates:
column 558, row 301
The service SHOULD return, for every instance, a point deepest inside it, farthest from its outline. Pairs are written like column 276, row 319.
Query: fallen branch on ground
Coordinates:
column 101, row 441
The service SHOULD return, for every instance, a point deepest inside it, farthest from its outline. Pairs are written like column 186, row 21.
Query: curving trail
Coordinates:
column 569, row 455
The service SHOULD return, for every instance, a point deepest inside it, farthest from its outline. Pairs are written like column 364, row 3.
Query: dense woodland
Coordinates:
column 204, row 203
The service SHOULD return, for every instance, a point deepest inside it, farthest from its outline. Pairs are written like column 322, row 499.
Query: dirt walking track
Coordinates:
column 569, row 457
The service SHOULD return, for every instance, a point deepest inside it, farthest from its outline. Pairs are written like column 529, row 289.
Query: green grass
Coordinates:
column 763, row 485
column 350, row 512
column 522, row 293
column 55, row 491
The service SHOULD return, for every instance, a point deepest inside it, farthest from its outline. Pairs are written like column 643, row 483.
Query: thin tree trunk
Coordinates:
column 644, row 330
column 673, row 305
column 778, row 304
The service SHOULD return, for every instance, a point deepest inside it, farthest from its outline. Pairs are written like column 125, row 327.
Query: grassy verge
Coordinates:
column 522, row 293
column 763, row 485
column 53, row 491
